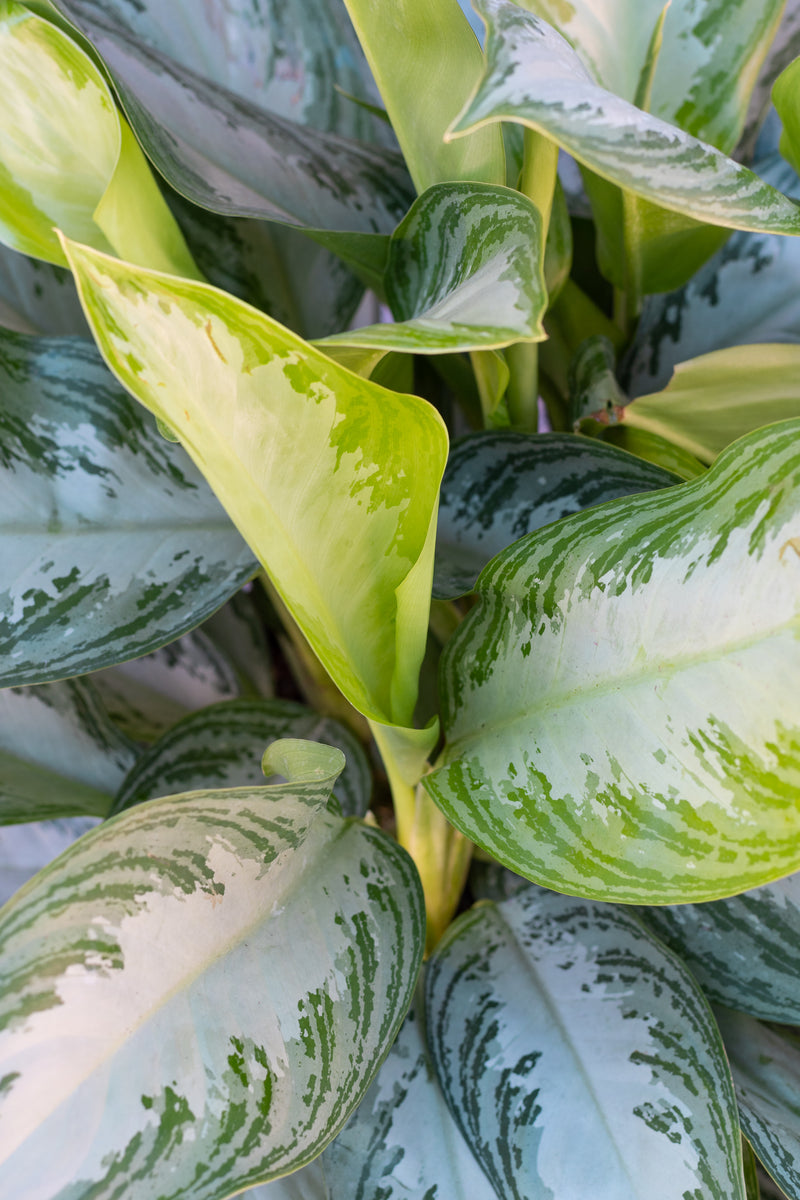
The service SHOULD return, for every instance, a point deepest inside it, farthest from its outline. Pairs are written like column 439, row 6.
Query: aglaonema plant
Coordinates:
column 400, row 623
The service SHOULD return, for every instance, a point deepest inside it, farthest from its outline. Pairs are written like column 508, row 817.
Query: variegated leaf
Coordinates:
column 499, row 486
column 621, row 706
column 238, row 631
column 332, row 479
column 785, row 47
column 306, row 1184
column 579, row 1057
column 746, row 293
column 743, row 951
column 490, row 880
column 111, row 542
column 130, row 1063
column 230, row 155
column 706, row 64
column 464, row 273
column 766, row 1071
column 654, row 449
column 715, row 399
column 402, row 1143
column 37, row 297
column 223, row 745
column 67, row 160
column 147, row 695
column 60, row 753
column 535, row 77
column 26, row 849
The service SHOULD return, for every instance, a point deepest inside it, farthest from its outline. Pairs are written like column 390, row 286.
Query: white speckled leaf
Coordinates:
column 60, row 754
column 579, row 1057
column 129, row 1061
column 111, row 541
column 743, row 951
column 766, row 1071
column 223, row 746
column 621, row 706
column 332, row 479
column 464, row 273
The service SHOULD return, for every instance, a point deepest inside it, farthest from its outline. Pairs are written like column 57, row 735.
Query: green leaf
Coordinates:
column 122, row 1004
column 37, row 297
column 653, row 755
column 332, row 479
column 766, row 1072
column 705, row 68
column 233, row 156
column 424, row 60
column 60, row 753
column 499, row 486
column 715, row 399
column 224, row 744
column 111, row 542
column 237, row 630
column 27, row 848
column 535, row 77
column 653, row 449
column 401, row 1141
column 72, row 133
column 463, row 273
column 579, row 1057
column 743, row 951
column 785, row 97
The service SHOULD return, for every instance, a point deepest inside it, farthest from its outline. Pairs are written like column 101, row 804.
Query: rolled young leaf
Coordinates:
column 332, row 479
column 621, row 706
column 111, row 542
column 128, row 1059
column 579, row 1057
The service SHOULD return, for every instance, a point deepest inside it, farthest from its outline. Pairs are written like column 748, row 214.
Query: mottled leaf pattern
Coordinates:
column 111, row 542
column 222, row 746
column 621, row 707
column 578, row 1056
column 499, row 486
column 206, row 1087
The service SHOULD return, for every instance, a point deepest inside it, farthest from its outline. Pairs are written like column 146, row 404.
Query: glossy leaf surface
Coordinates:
column 60, row 754
column 463, row 274
column 111, row 541
column 535, row 77
column 743, row 951
column 498, row 486
column 653, row 755
column 306, row 458
column 223, row 746
column 766, row 1072
column 128, row 990
column 579, row 1057
column 715, row 399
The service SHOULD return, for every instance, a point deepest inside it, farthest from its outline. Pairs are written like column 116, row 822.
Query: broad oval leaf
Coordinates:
column 332, row 479
column 621, row 707
column 464, row 273
column 228, row 154
column 402, row 1143
column 60, row 753
column 546, row 1016
column 223, row 746
column 126, row 990
column 743, row 951
column 112, row 543
column 27, row 848
column 766, row 1071
column 498, row 486
column 535, row 77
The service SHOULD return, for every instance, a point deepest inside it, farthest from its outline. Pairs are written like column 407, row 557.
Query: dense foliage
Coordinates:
column 400, row 620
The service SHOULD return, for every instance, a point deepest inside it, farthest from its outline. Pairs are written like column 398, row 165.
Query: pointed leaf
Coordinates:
column 743, row 951
column 463, row 273
column 224, row 744
column 715, row 399
column 766, row 1072
column 26, row 849
column 111, row 542
column 547, row 1016
column 341, row 475
column 653, row 755
column 424, row 60
column 499, row 486
column 122, row 1001
column 60, row 754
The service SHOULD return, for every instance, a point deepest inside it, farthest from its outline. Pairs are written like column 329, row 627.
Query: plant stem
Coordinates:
column 522, row 395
